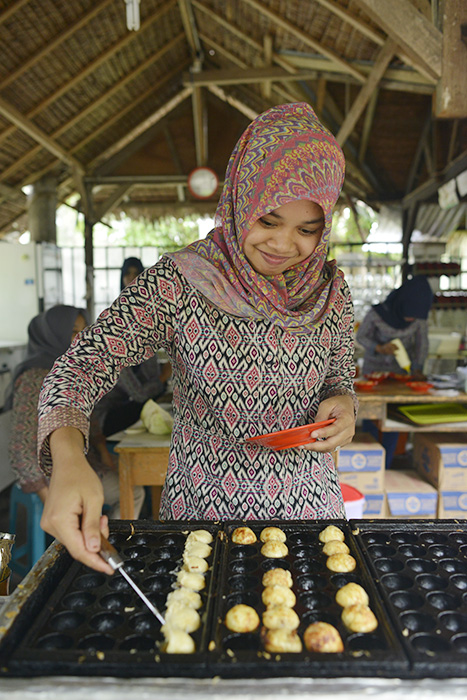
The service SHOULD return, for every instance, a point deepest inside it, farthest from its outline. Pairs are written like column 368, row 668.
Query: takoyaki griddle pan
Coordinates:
column 71, row 620
column 240, row 581
column 81, row 622
column 420, row 568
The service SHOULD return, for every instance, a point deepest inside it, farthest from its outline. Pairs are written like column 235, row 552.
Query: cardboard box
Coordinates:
column 361, row 464
column 409, row 495
column 442, row 459
column 375, row 505
column 452, row 504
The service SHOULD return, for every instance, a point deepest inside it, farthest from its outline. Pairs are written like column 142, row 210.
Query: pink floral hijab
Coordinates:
column 285, row 154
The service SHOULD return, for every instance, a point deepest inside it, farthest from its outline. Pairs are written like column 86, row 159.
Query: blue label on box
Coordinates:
column 361, row 461
column 373, row 504
column 454, row 457
column 413, row 503
column 454, row 500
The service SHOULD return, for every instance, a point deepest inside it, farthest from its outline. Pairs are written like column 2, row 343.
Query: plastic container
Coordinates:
column 354, row 501
column 401, row 355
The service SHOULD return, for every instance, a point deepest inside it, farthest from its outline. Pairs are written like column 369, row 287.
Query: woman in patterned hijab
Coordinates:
column 259, row 327
column 283, row 156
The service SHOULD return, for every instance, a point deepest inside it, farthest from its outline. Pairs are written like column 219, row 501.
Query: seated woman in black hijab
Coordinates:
column 402, row 315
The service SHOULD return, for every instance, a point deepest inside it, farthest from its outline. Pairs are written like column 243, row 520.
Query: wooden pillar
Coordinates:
column 89, row 261
column 42, row 204
column 409, row 217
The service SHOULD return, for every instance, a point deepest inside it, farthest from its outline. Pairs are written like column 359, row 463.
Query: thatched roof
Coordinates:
column 123, row 116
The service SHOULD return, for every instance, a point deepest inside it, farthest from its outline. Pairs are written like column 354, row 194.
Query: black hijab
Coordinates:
column 412, row 300
column 130, row 262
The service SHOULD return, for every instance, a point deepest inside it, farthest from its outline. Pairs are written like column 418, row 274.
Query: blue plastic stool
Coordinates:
column 35, row 545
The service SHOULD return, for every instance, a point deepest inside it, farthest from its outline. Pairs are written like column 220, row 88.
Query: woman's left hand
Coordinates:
column 339, row 433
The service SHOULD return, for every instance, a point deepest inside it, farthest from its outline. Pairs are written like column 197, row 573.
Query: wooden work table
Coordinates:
column 143, row 459
column 374, row 405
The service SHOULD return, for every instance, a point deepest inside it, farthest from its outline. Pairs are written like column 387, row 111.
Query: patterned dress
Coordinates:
column 233, row 378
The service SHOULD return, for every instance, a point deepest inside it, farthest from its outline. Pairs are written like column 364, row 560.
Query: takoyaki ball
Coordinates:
column 191, row 580
column 198, row 549
column 242, row 618
column 196, row 565
column 274, row 549
column 331, row 532
column 200, row 536
column 272, row 533
column 278, row 595
column 279, row 617
column 243, row 535
column 352, row 594
column 323, row 638
column 277, row 577
column 359, row 618
column 281, row 641
column 343, row 563
column 335, row 547
column 177, row 641
column 182, row 617
column 185, row 596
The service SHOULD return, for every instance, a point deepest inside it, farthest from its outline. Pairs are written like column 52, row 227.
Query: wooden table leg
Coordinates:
column 127, row 505
column 155, row 501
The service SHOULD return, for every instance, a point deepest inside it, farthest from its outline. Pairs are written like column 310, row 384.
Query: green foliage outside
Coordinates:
column 167, row 233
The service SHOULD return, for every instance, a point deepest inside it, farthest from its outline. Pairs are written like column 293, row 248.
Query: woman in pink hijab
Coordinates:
column 259, row 330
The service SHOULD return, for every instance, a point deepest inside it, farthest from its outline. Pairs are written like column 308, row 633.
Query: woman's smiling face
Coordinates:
column 284, row 237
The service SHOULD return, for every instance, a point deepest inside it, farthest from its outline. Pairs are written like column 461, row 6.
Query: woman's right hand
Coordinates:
column 73, row 509
column 386, row 348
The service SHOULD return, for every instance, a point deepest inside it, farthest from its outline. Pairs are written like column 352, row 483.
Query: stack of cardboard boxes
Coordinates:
column 397, row 493
column 441, row 458
column 361, row 465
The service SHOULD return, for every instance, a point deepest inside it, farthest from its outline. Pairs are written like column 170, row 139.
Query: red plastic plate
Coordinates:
column 293, row 437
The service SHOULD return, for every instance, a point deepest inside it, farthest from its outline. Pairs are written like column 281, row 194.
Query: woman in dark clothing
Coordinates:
column 402, row 315
column 122, row 406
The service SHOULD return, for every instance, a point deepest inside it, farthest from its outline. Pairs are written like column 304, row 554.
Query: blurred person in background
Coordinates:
column 402, row 315
column 121, row 407
column 49, row 336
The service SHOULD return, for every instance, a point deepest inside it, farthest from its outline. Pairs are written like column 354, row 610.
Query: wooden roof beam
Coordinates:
column 117, row 46
column 190, row 28
column 197, row 99
column 49, row 46
column 432, row 185
column 289, row 95
column 12, row 9
column 363, row 97
column 91, row 136
column 394, row 75
column 268, row 43
column 367, row 125
column 142, row 127
column 305, row 38
column 411, row 30
column 359, row 24
column 24, row 124
column 112, row 201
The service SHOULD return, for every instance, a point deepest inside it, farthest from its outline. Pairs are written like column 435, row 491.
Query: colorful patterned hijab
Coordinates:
column 284, row 155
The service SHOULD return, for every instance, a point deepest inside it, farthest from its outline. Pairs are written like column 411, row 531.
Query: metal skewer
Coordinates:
column 112, row 557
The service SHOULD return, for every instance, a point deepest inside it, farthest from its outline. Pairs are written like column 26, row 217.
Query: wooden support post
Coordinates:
column 41, row 210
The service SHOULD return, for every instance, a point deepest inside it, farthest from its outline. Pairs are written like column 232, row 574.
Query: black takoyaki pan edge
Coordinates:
column 423, row 665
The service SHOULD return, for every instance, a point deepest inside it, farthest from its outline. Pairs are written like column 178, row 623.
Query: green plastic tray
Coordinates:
column 432, row 413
